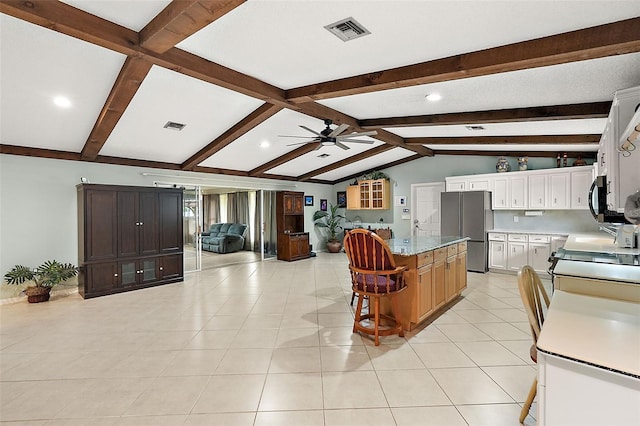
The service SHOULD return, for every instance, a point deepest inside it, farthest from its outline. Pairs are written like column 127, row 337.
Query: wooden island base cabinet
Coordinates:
column 434, row 278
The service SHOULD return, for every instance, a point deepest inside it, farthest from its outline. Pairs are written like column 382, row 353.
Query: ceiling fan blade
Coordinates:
column 302, row 143
column 355, row 141
column 341, row 128
column 299, row 137
column 355, row 135
column 312, row 131
column 341, row 145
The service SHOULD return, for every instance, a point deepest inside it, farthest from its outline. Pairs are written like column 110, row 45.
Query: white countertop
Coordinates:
column 599, row 271
column 598, row 242
column 519, row 231
column 593, row 330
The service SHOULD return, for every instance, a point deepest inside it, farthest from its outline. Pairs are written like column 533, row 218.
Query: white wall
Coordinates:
column 38, row 217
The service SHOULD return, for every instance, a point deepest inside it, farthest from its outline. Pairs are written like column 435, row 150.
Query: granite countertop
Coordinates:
column 593, row 330
column 416, row 245
column 524, row 231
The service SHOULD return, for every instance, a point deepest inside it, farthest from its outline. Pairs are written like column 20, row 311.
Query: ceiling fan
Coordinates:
column 329, row 136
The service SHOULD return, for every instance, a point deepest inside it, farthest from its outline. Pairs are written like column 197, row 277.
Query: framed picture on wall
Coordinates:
column 308, row 200
column 323, row 205
column 342, row 199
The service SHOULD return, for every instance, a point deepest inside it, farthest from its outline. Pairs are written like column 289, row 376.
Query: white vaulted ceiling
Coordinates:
column 222, row 79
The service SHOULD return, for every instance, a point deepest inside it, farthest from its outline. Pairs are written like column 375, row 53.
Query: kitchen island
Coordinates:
column 436, row 275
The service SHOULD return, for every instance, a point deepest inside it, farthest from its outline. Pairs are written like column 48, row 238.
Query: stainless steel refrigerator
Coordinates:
column 468, row 214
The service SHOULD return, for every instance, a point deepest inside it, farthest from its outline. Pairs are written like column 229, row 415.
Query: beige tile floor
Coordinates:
column 262, row 344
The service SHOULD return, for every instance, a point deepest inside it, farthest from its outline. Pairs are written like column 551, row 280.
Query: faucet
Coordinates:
column 610, row 232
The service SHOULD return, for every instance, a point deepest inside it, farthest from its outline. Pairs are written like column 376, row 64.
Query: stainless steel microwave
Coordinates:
column 598, row 203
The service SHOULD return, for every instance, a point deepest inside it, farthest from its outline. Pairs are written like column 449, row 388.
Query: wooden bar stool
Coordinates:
column 374, row 275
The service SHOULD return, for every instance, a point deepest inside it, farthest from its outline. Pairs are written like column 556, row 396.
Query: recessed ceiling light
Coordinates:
column 433, row 97
column 62, row 101
column 265, row 144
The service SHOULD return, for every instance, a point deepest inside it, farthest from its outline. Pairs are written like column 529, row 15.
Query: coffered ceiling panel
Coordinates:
column 367, row 164
column 38, row 66
column 164, row 96
column 576, row 82
column 130, row 14
column 285, row 43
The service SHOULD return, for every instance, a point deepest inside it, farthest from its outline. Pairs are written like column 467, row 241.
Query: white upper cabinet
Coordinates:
column 559, row 188
column 518, row 192
column 547, row 189
column 581, row 181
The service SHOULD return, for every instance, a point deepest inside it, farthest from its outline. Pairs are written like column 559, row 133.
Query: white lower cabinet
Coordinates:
column 517, row 253
column 497, row 255
column 509, row 252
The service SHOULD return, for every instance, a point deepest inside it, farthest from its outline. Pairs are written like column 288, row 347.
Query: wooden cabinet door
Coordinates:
column 170, row 267
column 101, row 277
column 298, row 204
column 353, row 197
column 289, row 203
column 148, row 223
column 365, row 194
column 101, row 225
column 450, row 278
column 439, row 297
column 170, row 222
column 128, row 223
column 461, row 271
column 425, row 292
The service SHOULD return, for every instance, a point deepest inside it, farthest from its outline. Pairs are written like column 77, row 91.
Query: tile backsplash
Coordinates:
column 565, row 221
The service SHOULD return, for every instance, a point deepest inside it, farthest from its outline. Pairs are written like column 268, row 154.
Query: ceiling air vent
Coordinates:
column 347, row 29
column 174, row 126
column 323, row 155
column 474, row 128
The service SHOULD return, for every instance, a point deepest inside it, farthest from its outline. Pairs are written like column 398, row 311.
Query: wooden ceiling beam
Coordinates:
column 507, row 140
column 542, row 113
column 345, row 162
column 615, row 38
column 127, row 84
column 180, row 19
column 549, row 154
column 258, row 116
column 66, row 19
column 291, row 155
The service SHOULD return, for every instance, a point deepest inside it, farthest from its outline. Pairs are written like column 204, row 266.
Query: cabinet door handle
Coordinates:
column 578, row 199
column 161, row 268
column 535, row 250
column 141, row 223
column 555, row 201
column 115, row 275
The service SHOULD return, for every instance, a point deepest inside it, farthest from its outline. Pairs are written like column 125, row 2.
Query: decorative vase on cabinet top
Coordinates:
column 503, row 165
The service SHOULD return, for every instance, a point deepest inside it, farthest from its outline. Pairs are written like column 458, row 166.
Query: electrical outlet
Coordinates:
column 516, row 218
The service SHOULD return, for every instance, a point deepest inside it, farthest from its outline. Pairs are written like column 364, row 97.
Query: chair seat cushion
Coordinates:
column 368, row 283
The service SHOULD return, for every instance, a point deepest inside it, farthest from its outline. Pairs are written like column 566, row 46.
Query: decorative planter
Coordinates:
column 334, row 246
column 37, row 294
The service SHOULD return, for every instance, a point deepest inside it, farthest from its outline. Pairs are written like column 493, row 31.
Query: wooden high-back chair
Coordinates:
column 535, row 301
column 374, row 274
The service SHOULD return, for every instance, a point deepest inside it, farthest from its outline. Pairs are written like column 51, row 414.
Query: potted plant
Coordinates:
column 44, row 277
column 330, row 220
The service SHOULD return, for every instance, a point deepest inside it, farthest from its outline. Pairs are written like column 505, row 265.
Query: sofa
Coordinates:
column 224, row 237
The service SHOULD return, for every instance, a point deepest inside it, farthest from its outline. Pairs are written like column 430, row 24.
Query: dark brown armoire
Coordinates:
column 128, row 238
column 293, row 242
